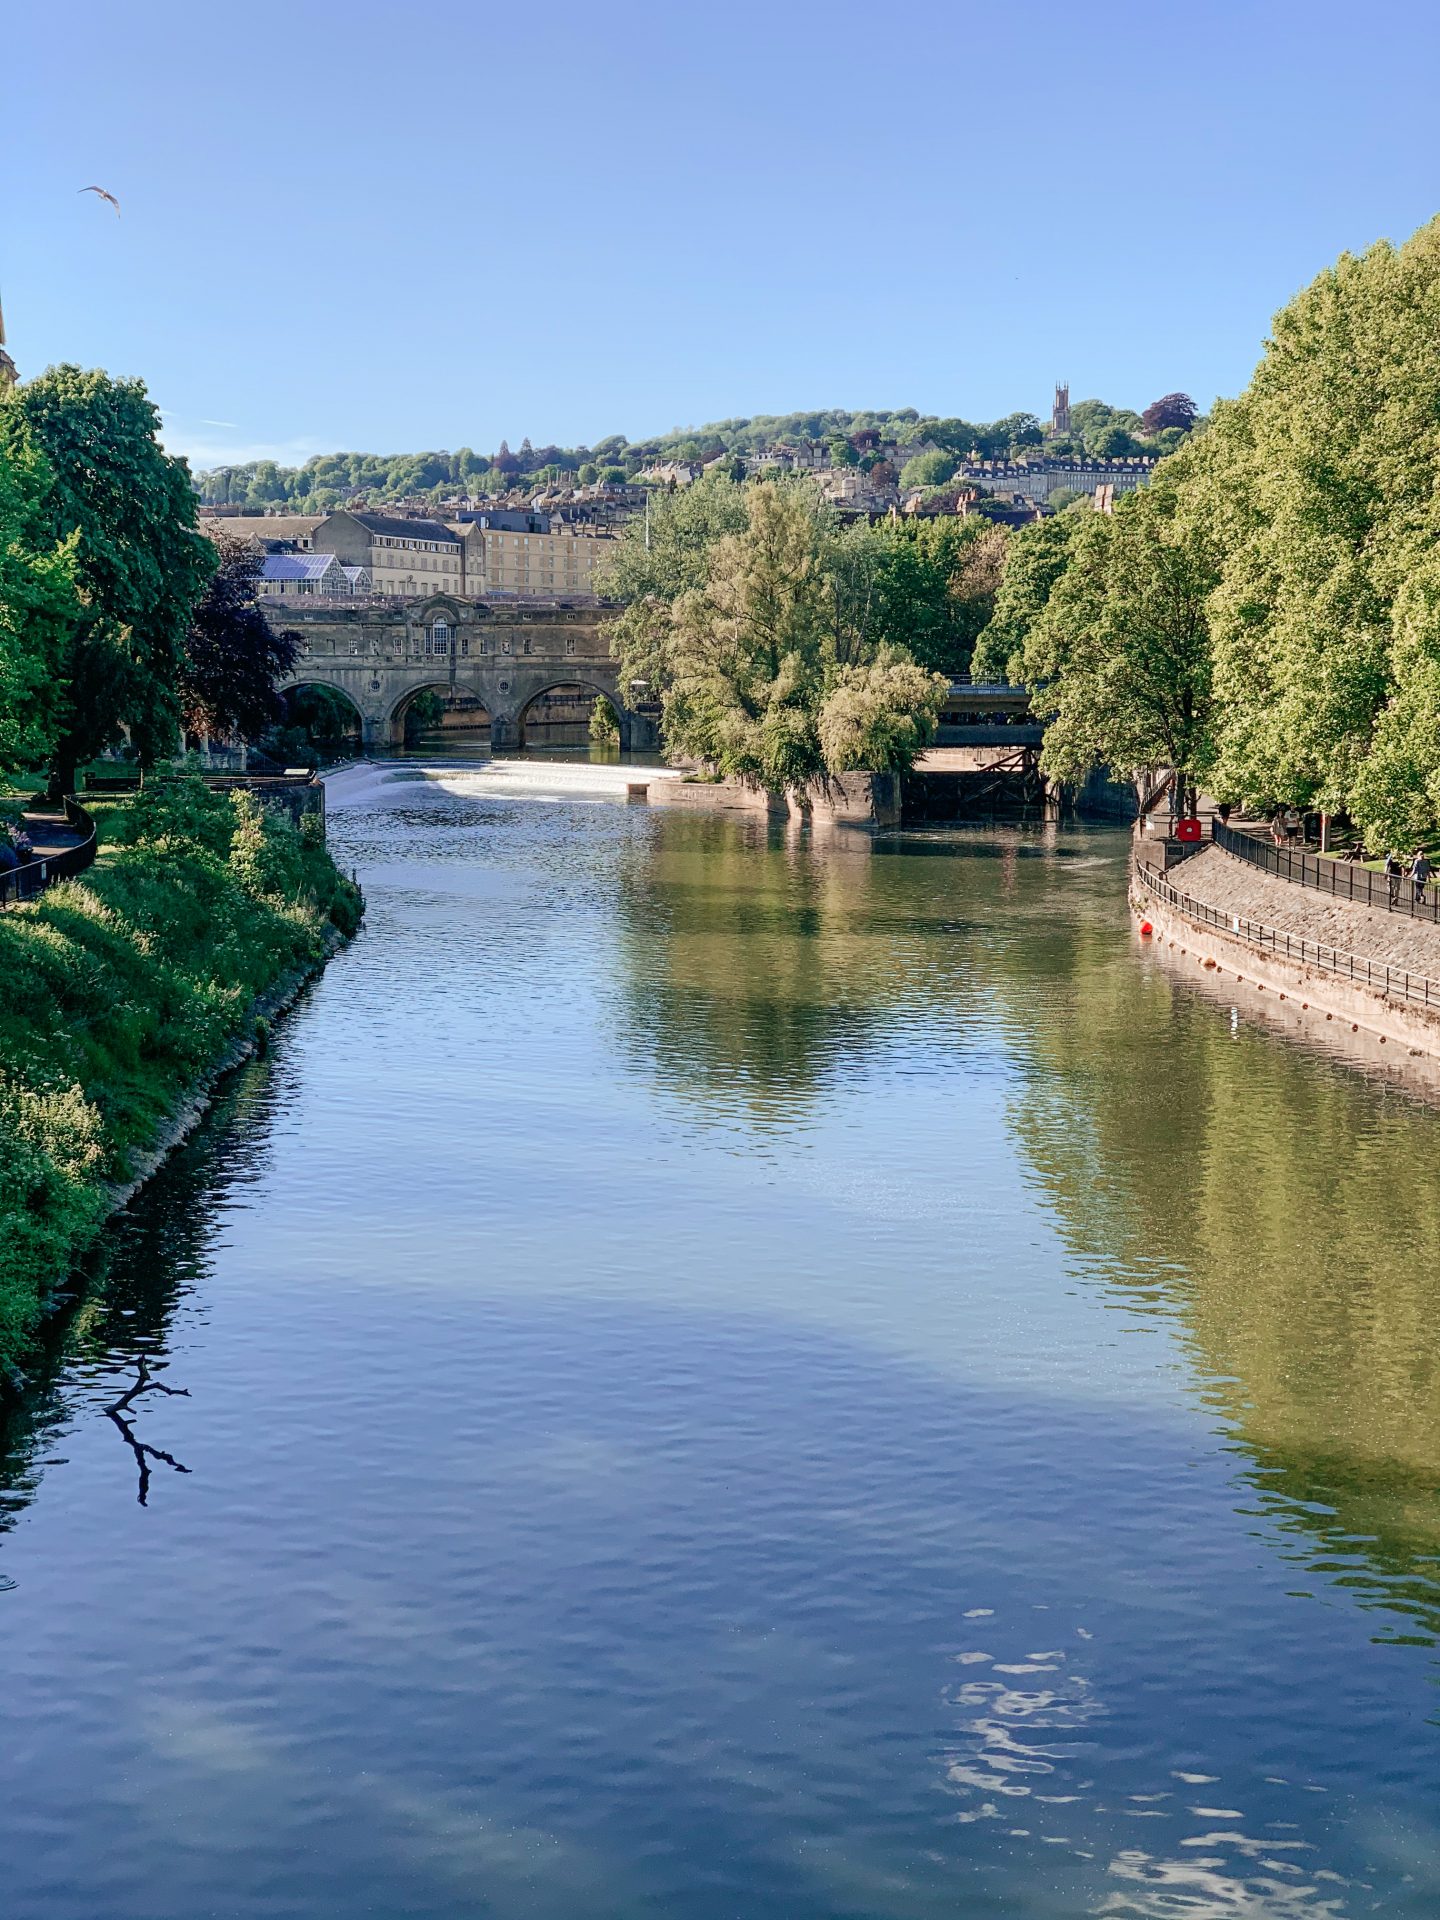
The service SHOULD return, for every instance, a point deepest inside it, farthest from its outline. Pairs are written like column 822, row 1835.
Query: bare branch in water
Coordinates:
column 143, row 1452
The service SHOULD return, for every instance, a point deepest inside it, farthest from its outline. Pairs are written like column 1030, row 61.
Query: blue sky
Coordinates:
column 389, row 228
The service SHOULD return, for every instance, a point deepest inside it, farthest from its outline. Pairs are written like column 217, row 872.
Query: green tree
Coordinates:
column 38, row 608
column 880, row 713
column 1114, row 443
column 928, row 470
column 1035, row 559
column 1320, row 481
column 1119, row 659
column 773, row 667
column 658, row 558
column 140, row 565
column 927, row 585
column 604, row 727
column 746, row 648
column 589, row 473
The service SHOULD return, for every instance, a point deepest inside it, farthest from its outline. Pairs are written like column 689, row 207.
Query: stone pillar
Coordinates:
column 504, row 731
column 374, row 733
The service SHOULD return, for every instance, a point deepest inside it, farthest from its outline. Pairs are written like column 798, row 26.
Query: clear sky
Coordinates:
column 387, row 228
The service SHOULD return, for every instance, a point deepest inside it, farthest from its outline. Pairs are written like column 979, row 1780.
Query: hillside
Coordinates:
column 328, row 480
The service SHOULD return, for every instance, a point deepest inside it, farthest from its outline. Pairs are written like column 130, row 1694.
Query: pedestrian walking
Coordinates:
column 1393, row 874
column 24, row 862
column 1420, row 871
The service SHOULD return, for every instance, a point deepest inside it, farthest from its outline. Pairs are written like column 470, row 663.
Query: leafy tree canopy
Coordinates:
column 39, row 608
column 234, row 659
column 140, row 564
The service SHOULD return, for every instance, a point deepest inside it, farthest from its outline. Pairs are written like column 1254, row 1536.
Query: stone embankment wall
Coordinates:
column 1233, row 888
column 844, row 799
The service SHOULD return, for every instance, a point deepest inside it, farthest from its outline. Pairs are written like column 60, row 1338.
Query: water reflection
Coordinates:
column 111, row 1349
column 1283, row 1209
column 720, row 1374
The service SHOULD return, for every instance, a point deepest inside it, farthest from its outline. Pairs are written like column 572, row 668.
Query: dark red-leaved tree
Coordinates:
column 505, row 461
column 1171, row 410
column 234, row 658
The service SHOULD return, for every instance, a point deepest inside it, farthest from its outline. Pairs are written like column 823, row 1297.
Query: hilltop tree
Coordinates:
column 140, row 565
column 234, row 659
column 505, row 461
column 1171, row 410
column 1114, row 442
column 928, row 470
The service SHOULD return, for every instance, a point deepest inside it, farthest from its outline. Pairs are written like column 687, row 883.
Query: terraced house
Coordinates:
column 501, row 552
column 410, row 557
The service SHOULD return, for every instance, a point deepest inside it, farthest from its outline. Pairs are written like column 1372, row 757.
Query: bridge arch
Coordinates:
column 335, row 708
column 459, row 699
column 578, row 693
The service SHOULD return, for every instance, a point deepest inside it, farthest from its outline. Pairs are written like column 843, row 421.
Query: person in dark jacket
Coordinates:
column 1393, row 872
column 1420, row 871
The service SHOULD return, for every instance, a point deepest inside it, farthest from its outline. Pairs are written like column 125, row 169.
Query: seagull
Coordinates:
column 104, row 196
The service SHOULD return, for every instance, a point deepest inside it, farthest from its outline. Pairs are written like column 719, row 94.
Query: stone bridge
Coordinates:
column 379, row 654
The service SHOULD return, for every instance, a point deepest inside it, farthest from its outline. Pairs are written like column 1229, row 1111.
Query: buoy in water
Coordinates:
column 1145, row 927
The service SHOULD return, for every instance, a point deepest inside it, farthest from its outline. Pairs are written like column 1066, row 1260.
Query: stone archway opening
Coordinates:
column 436, row 712
column 320, row 723
column 572, row 713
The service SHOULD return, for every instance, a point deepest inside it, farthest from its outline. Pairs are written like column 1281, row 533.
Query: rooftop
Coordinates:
column 295, row 566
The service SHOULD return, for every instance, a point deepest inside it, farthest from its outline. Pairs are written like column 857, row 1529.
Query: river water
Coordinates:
column 727, row 1376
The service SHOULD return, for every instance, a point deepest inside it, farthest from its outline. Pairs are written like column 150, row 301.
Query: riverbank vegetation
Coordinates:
column 1266, row 615
column 122, row 989
column 125, row 987
column 784, row 646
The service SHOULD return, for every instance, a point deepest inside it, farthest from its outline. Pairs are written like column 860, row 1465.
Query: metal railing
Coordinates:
column 1339, row 878
column 25, row 881
column 1396, row 982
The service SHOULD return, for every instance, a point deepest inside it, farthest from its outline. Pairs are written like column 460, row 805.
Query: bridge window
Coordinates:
column 439, row 638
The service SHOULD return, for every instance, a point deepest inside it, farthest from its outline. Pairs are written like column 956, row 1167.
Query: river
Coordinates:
column 724, row 1376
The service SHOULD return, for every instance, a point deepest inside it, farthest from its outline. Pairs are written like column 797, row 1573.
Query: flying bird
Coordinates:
column 104, row 196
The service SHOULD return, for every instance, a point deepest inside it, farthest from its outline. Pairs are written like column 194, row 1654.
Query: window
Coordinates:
column 464, row 647
column 440, row 637
column 570, row 644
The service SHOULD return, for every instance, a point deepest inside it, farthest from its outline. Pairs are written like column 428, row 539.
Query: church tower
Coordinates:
column 1060, row 412
column 8, row 375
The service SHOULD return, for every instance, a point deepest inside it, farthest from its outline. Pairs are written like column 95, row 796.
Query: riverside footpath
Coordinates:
column 1322, row 959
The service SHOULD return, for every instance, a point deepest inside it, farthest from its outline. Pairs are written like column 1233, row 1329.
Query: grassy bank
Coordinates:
column 121, row 990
